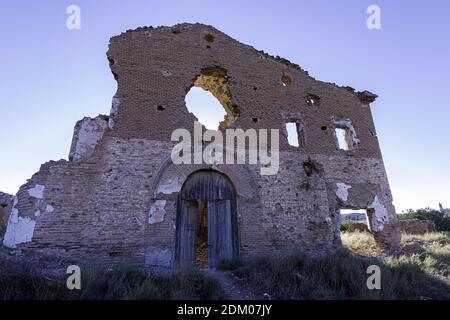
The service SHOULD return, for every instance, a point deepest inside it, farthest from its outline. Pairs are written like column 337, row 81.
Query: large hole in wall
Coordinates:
column 205, row 107
column 210, row 99
column 355, row 234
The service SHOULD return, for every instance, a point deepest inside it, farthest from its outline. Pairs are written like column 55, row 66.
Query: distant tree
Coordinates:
column 440, row 219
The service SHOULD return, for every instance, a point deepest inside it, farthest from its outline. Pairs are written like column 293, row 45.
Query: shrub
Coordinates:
column 406, row 216
column 345, row 224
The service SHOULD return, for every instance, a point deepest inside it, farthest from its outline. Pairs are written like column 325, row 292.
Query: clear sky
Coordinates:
column 52, row 76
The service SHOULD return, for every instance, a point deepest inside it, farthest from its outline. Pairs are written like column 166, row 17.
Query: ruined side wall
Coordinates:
column 6, row 201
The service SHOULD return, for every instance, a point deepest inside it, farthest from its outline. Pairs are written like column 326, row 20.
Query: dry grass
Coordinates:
column 364, row 244
column 341, row 275
column 435, row 260
column 427, row 237
column 23, row 282
column 361, row 243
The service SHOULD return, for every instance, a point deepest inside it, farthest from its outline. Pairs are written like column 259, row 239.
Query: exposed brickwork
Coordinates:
column 97, row 206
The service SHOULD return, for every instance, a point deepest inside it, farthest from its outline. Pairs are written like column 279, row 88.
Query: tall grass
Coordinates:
column 341, row 275
column 362, row 243
column 427, row 237
column 19, row 282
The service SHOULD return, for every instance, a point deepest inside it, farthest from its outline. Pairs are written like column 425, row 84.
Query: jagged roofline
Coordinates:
column 366, row 97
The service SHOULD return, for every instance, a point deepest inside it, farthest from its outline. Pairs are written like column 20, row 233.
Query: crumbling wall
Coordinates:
column 87, row 134
column 6, row 201
column 114, row 201
column 28, row 205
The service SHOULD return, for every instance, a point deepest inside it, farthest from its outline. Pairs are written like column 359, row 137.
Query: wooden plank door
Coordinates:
column 186, row 232
column 220, row 232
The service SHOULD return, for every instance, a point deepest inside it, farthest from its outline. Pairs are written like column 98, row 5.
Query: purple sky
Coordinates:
column 52, row 76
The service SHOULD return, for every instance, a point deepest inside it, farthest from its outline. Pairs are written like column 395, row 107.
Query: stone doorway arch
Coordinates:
column 206, row 212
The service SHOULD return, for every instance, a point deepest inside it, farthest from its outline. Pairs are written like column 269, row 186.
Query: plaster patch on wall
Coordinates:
column 37, row 191
column 49, row 209
column 86, row 136
column 379, row 215
column 157, row 212
column 114, row 108
column 342, row 191
column 168, row 187
column 158, row 257
column 19, row 229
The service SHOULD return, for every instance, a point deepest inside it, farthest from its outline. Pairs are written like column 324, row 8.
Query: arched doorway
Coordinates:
column 206, row 223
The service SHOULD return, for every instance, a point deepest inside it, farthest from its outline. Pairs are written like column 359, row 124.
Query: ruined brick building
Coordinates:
column 120, row 198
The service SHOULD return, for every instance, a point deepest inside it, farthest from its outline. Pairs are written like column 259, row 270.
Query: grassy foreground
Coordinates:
column 23, row 283
column 341, row 275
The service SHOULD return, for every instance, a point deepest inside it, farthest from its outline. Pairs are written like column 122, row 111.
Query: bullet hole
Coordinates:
column 209, row 37
column 323, row 128
column 255, row 88
column 312, row 100
column 311, row 167
column 255, row 120
column 208, row 47
column 160, row 108
column 286, row 80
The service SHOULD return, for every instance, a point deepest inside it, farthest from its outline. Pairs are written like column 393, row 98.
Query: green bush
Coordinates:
column 345, row 224
column 406, row 216
column 440, row 220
